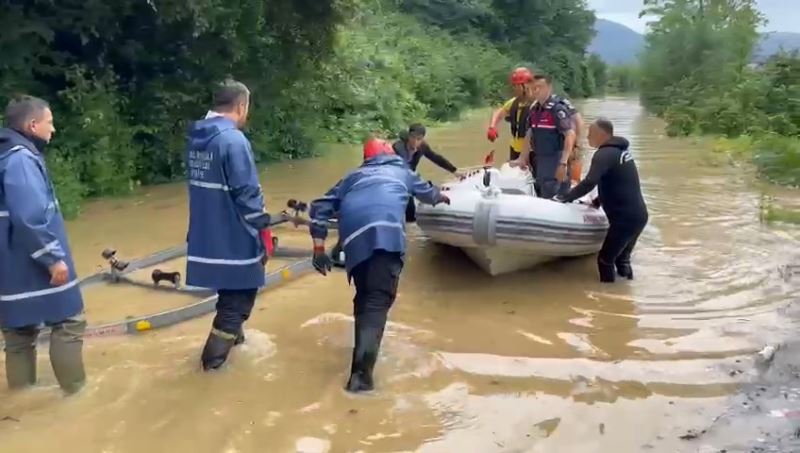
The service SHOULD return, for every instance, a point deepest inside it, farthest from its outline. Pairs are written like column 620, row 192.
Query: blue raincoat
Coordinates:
column 32, row 238
column 370, row 204
column 226, row 208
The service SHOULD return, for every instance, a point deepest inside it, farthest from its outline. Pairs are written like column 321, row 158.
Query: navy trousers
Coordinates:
column 233, row 309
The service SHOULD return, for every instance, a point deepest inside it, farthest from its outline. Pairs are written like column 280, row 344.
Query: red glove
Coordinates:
column 491, row 134
column 266, row 237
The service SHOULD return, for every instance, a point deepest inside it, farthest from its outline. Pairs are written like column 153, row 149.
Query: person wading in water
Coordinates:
column 412, row 147
column 369, row 204
column 38, row 283
column 228, row 238
column 614, row 172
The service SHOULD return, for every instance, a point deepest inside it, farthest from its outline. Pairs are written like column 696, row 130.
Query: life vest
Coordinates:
column 547, row 140
column 519, row 123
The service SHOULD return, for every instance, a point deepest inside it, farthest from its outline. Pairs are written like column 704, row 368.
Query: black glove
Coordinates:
column 596, row 203
column 322, row 262
column 559, row 199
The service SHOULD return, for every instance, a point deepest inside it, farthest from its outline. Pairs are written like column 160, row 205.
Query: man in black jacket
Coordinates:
column 412, row 147
column 614, row 172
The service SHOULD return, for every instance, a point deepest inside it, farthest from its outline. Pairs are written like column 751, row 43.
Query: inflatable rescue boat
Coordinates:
column 495, row 217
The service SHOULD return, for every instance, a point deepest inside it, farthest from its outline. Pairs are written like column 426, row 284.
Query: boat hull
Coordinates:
column 511, row 230
column 498, row 260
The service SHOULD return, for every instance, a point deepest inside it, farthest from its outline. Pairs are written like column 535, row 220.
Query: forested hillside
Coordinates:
column 126, row 77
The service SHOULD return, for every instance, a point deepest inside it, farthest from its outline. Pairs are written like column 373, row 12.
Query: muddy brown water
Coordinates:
column 543, row 360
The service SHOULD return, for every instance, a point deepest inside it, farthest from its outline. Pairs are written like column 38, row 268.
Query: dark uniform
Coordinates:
column 369, row 204
column 225, row 250
column 549, row 123
column 614, row 172
column 401, row 149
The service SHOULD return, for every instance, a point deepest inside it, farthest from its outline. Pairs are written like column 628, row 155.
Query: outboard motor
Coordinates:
column 490, row 179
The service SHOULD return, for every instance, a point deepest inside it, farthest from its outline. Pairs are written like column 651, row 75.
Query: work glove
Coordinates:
column 596, row 203
column 322, row 262
column 269, row 249
column 491, row 134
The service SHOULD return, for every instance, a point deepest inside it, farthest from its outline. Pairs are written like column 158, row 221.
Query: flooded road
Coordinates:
column 538, row 361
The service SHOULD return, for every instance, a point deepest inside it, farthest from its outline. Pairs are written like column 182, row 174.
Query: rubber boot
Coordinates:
column 216, row 350
column 20, row 357
column 365, row 354
column 240, row 338
column 66, row 355
column 606, row 271
column 624, row 269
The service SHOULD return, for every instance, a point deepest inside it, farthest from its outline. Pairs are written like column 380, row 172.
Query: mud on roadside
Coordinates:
column 764, row 416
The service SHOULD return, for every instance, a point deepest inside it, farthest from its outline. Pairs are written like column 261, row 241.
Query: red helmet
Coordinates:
column 521, row 75
column 375, row 147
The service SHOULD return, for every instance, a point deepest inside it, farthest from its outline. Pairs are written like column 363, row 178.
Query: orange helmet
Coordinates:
column 521, row 76
column 375, row 147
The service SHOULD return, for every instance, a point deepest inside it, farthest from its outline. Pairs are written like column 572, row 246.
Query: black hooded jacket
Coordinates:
column 401, row 149
column 614, row 172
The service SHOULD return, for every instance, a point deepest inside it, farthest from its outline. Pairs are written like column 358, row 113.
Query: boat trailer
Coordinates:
column 118, row 273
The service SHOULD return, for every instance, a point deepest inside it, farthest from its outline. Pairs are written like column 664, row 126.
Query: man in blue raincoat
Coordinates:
column 370, row 205
column 38, row 283
column 226, row 218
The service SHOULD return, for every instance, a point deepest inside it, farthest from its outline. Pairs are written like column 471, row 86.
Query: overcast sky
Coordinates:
column 783, row 15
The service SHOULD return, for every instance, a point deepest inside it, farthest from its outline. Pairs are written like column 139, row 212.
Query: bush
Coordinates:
column 126, row 78
column 389, row 70
column 778, row 159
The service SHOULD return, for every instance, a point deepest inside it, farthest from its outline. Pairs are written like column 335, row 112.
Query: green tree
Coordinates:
column 696, row 73
column 126, row 78
column 708, row 42
column 623, row 79
column 599, row 72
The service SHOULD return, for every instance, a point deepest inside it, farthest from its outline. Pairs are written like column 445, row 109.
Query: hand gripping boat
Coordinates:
column 497, row 220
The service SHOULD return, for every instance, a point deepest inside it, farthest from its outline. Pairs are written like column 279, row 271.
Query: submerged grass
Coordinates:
column 775, row 158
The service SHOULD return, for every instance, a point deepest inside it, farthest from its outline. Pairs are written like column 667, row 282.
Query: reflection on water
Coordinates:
column 537, row 361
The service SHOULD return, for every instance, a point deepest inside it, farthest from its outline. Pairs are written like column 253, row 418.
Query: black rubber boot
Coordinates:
column 606, row 271
column 365, row 354
column 216, row 350
column 624, row 269
column 240, row 339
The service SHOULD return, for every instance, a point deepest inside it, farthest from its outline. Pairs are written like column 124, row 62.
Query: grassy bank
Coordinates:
column 774, row 157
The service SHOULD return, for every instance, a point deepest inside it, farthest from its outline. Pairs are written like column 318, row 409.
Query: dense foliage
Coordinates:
column 126, row 77
column 623, row 79
column 696, row 73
